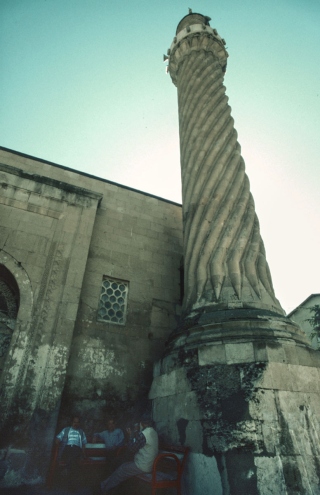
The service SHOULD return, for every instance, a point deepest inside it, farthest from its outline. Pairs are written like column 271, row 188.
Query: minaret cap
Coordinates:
column 190, row 19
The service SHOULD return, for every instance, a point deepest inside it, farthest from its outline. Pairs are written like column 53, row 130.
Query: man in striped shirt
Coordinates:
column 72, row 441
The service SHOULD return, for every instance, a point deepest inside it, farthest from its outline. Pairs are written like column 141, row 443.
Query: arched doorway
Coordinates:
column 9, row 306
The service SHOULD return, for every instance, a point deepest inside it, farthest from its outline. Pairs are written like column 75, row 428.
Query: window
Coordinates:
column 113, row 301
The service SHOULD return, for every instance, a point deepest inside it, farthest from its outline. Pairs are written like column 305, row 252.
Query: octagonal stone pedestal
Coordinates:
column 248, row 405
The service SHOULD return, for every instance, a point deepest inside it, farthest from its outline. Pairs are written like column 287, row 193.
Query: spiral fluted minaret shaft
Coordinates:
column 224, row 256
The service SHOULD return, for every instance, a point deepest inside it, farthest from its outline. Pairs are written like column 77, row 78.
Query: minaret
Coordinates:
column 239, row 382
column 226, row 274
column 224, row 256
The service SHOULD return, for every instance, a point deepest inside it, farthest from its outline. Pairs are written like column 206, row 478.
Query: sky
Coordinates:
column 83, row 84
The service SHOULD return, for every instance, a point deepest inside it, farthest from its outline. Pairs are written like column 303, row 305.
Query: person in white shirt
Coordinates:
column 144, row 445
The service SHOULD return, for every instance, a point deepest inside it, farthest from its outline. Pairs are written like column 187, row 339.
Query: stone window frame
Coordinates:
column 113, row 301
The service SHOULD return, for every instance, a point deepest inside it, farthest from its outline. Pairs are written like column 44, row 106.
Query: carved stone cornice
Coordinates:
column 196, row 37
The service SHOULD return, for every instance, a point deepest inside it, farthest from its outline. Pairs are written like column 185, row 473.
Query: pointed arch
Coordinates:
column 16, row 301
column 9, row 307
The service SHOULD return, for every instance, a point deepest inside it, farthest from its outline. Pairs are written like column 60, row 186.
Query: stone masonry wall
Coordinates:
column 131, row 236
column 249, row 412
column 136, row 238
column 46, row 229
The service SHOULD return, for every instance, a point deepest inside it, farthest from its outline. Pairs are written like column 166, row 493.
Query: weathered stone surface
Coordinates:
column 53, row 233
column 202, row 475
column 212, row 354
column 170, row 384
column 244, row 413
column 224, row 256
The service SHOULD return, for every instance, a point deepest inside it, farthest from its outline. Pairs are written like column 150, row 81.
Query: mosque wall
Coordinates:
column 136, row 241
column 67, row 238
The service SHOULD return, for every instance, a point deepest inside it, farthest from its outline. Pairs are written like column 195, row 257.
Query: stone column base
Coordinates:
column 249, row 410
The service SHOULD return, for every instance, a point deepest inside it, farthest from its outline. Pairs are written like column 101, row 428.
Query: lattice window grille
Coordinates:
column 113, row 301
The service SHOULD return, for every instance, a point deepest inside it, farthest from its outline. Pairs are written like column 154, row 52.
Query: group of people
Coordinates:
column 141, row 449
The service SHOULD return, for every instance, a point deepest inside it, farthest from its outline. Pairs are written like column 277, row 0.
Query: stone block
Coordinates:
column 170, row 384
column 269, row 474
column 39, row 200
column 157, row 227
column 194, row 435
column 120, row 245
column 159, row 317
column 160, row 409
column 212, row 354
column 101, row 230
column 74, row 277
column 113, row 222
column 172, row 433
column 145, row 255
column 122, row 234
column 143, row 228
column 186, row 406
column 276, row 376
column 263, row 408
column 156, row 368
column 305, row 356
column 20, row 255
column 4, row 233
column 7, row 219
column 155, row 202
column 71, row 312
column 202, row 476
column 35, row 273
column 276, row 353
column 260, row 351
column 21, row 240
column 112, row 213
column 290, row 351
column 86, row 227
column 169, row 363
column 162, row 428
column 37, row 225
column 270, row 437
column 239, row 353
column 41, row 245
column 281, row 376
column 36, row 259
column 304, row 378
column 59, row 352
column 13, row 219
column 125, row 227
column 21, row 195
column 292, row 407
column 71, row 294
column 121, row 260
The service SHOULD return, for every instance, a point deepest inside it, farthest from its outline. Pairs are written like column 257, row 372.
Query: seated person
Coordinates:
column 112, row 437
column 144, row 445
column 72, row 441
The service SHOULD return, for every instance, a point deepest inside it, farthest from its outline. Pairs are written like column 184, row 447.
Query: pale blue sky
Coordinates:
column 83, row 85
